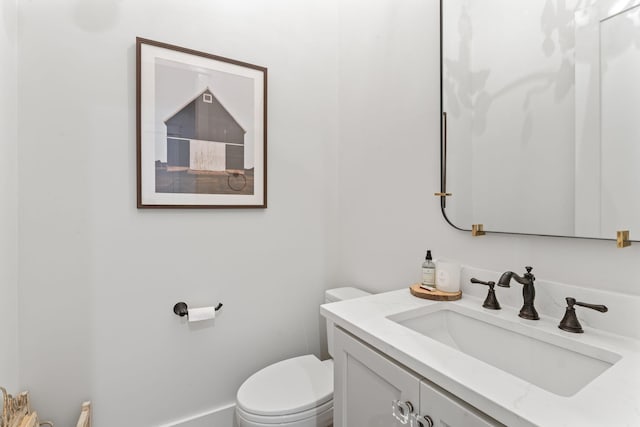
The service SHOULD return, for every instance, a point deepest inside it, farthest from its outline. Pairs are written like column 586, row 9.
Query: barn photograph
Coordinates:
column 202, row 129
column 205, row 150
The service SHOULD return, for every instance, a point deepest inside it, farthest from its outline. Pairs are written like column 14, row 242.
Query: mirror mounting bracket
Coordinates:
column 477, row 230
column 623, row 239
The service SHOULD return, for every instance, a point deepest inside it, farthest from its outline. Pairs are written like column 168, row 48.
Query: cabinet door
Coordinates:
column 366, row 384
column 446, row 410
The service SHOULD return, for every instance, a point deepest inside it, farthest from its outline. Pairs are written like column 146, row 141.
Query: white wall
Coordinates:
column 389, row 82
column 99, row 277
column 8, row 198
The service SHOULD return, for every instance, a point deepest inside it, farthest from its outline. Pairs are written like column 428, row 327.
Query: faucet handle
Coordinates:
column 491, row 302
column 528, row 268
column 599, row 307
column 489, row 283
column 570, row 321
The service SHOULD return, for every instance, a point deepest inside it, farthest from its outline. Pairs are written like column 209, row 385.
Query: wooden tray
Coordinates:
column 436, row 295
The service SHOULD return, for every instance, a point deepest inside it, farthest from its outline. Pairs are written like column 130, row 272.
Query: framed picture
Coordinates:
column 201, row 129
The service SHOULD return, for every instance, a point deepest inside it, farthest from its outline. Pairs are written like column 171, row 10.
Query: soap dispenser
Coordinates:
column 428, row 273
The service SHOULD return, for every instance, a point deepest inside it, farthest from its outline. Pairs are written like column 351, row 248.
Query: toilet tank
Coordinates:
column 339, row 294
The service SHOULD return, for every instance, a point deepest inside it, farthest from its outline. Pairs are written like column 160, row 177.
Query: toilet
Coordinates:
column 296, row 392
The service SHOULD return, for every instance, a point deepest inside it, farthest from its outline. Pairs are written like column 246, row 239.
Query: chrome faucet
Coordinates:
column 528, row 311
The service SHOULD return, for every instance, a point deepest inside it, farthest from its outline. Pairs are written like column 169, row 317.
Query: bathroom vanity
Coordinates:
column 370, row 387
column 400, row 360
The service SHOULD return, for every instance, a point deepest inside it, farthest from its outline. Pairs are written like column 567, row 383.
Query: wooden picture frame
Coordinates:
column 201, row 129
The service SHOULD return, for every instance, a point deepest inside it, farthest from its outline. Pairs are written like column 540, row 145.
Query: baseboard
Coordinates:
column 223, row 416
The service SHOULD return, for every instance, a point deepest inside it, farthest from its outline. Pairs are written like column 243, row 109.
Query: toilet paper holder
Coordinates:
column 182, row 309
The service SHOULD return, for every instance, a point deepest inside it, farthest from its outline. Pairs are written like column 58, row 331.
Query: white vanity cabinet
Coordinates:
column 369, row 387
column 366, row 383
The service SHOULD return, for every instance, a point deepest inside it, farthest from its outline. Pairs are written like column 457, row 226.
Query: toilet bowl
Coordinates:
column 296, row 392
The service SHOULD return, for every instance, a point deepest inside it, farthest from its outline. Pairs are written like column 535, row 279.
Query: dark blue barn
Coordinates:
column 204, row 136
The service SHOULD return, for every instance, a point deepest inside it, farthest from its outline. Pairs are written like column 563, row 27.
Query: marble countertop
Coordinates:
column 611, row 399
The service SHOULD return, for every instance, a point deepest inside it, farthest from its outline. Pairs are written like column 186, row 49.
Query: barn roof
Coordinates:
column 199, row 96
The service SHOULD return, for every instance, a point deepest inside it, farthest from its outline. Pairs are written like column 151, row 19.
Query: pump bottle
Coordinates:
column 428, row 273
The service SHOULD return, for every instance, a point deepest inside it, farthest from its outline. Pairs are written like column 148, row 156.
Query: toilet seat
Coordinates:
column 288, row 391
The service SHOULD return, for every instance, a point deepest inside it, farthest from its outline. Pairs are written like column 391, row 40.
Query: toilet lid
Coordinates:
column 287, row 387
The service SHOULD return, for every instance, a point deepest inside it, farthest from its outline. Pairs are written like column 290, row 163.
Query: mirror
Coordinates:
column 541, row 116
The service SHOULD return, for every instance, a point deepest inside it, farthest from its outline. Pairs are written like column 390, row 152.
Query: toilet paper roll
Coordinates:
column 201, row 313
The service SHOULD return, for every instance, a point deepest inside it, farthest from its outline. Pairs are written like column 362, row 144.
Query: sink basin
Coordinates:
column 560, row 365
